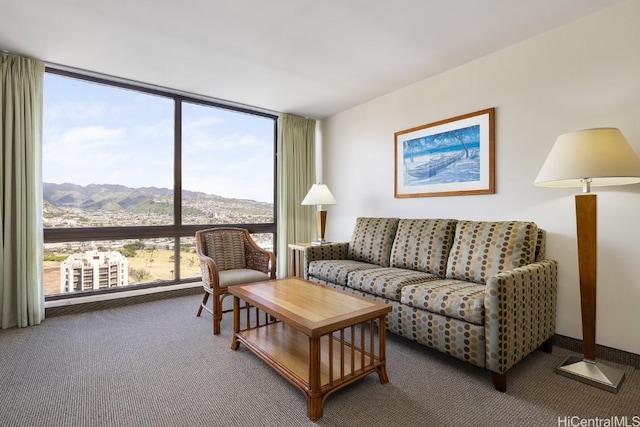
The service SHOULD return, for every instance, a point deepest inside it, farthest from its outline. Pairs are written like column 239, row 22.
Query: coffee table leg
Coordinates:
column 382, row 336
column 314, row 396
column 236, row 322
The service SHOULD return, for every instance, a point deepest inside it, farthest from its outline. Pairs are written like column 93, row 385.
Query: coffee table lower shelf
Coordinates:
column 318, row 366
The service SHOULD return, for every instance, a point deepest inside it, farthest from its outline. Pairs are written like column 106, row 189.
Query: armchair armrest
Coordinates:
column 209, row 271
column 520, row 313
column 324, row 252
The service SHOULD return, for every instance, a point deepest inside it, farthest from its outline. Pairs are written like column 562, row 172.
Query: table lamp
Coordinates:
column 319, row 194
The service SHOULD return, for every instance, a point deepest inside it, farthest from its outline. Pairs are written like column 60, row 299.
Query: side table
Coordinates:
column 297, row 256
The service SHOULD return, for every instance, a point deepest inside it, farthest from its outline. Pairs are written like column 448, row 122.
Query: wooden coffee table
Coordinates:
column 319, row 339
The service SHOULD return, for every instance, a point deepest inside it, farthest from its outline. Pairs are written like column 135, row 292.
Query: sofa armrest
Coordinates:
column 324, row 252
column 520, row 313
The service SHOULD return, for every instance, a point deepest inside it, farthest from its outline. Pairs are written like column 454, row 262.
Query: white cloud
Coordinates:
column 248, row 176
column 83, row 155
column 84, row 138
column 74, row 111
column 161, row 130
column 128, row 140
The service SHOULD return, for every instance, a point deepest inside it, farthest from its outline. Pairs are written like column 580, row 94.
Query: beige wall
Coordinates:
column 582, row 75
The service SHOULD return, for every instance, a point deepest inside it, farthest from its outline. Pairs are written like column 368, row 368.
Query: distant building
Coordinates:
column 93, row 270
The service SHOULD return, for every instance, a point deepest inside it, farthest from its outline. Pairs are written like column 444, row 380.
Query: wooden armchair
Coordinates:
column 229, row 256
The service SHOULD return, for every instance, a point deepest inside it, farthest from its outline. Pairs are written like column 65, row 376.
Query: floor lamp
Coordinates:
column 319, row 194
column 589, row 158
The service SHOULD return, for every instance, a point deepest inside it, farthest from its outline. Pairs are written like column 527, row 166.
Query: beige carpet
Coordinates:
column 157, row 364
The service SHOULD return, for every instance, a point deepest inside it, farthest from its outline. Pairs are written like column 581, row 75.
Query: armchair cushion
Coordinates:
column 238, row 276
column 227, row 249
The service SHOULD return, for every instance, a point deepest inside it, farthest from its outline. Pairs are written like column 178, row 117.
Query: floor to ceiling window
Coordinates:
column 130, row 173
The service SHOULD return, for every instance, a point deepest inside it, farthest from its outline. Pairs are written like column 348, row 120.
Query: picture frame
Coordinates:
column 451, row 157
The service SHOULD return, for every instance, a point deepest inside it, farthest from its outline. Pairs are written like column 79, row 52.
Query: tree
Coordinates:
column 139, row 274
column 129, row 250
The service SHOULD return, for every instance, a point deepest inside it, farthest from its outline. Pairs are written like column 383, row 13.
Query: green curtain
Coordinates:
column 21, row 266
column 296, row 174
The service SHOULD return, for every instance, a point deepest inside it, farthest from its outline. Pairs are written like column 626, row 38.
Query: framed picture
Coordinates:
column 447, row 158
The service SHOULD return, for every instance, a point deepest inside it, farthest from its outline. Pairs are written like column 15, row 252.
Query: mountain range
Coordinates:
column 149, row 200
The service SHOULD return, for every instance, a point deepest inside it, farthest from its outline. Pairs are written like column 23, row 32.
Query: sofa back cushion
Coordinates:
column 423, row 245
column 372, row 240
column 482, row 249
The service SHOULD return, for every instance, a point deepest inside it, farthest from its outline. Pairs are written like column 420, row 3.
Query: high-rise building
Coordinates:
column 93, row 270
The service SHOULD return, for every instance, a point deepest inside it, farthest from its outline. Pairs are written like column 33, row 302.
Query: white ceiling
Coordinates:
column 311, row 58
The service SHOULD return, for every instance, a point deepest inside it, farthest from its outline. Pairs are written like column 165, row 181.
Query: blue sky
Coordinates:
column 96, row 134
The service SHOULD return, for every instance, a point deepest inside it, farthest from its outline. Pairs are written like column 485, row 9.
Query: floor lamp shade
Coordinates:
column 319, row 195
column 586, row 158
column 601, row 156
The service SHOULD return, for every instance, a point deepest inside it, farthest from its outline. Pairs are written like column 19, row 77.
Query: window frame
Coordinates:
column 177, row 230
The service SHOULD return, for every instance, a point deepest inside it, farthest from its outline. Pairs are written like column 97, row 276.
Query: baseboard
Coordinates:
column 602, row 352
column 119, row 302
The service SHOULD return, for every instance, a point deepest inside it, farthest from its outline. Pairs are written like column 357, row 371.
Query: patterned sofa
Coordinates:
column 480, row 291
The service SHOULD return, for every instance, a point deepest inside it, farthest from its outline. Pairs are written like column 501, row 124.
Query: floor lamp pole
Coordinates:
column 586, row 228
column 587, row 369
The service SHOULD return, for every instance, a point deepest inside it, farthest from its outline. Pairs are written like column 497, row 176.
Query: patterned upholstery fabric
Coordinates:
column 327, row 284
column 520, row 313
column 386, row 282
column 496, row 305
column 451, row 336
column 392, row 318
column 372, row 240
column 332, row 251
column 227, row 249
column 423, row 245
column 452, row 298
column 541, row 245
column 482, row 249
column 337, row 271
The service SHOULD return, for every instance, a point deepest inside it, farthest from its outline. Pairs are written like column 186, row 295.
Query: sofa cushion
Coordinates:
column 386, row 282
column 482, row 249
column 372, row 240
column 452, row 298
column 423, row 245
column 337, row 271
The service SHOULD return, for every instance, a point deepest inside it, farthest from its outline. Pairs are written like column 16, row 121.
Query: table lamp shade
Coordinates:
column 319, row 194
column 602, row 155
